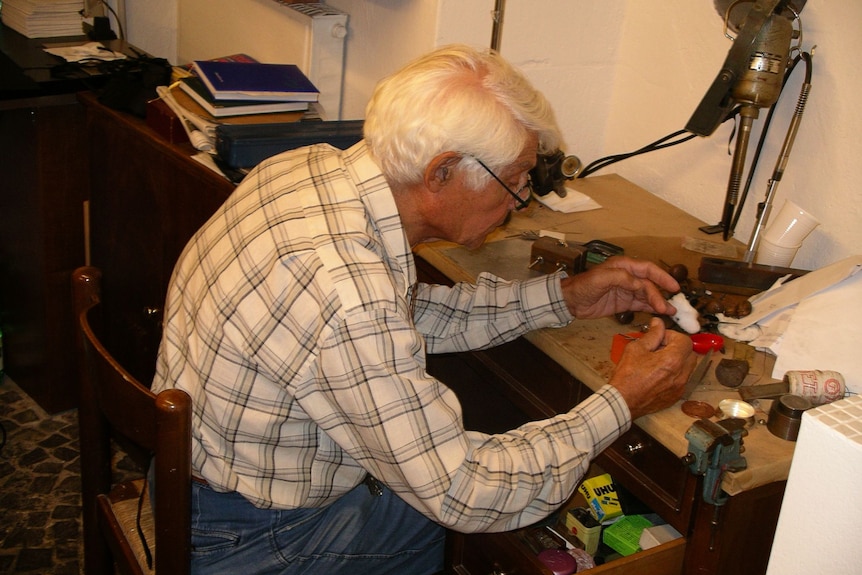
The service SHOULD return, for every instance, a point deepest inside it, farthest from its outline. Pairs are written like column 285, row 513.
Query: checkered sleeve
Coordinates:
column 404, row 427
column 490, row 312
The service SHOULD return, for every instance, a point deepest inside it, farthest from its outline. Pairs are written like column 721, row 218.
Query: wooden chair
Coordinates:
column 114, row 405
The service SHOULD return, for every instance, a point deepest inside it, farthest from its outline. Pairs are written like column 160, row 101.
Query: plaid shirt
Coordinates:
column 293, row 322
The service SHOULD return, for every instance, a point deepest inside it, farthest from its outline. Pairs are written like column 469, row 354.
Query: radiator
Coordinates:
column 326, row 29
column 310, row 35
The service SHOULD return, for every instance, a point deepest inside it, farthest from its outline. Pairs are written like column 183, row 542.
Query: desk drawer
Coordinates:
column 505, row 554
column 654, row 475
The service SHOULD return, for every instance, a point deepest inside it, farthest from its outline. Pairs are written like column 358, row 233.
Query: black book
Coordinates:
column 195, row 88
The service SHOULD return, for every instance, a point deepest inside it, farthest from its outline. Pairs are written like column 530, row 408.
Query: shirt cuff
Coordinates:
column 542, row 300
column 607, row 415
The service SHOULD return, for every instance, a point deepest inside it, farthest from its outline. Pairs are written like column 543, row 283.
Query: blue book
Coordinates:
column 255, row 81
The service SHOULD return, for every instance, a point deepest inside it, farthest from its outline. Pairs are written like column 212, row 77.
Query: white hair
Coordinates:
column 460, row 99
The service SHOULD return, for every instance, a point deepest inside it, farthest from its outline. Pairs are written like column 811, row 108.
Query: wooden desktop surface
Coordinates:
column 646, row 227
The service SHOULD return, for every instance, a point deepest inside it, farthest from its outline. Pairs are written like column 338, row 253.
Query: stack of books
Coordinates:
column 43, row 18
column 228, row 87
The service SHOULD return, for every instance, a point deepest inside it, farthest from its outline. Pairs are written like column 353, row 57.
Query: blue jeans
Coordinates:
column 359, row 533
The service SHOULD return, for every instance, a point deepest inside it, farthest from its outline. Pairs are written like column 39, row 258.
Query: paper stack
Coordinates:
column 811, row 322
column 43, row 18
column 574, row 201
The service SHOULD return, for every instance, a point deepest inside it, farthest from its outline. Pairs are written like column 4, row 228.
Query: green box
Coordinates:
column 624, row 535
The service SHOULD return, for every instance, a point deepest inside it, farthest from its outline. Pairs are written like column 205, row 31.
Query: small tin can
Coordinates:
column 785, row 416
column 819, row 386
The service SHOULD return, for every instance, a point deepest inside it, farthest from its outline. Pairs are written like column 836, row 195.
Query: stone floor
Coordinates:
column 40, row 497
column 40, row 486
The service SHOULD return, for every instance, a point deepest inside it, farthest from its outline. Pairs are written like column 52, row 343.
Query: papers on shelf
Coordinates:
column 84, row 52
column 201, row 132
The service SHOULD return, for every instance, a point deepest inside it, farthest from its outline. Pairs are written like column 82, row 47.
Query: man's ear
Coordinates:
column 441, row 170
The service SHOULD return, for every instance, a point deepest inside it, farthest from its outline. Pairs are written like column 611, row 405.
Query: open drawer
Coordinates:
column 506, row 554
column 515, row 552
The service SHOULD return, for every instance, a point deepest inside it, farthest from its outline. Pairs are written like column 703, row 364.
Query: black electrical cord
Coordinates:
column 117, row 18
column 662, row 143
column 657, row 145
column 766, row 123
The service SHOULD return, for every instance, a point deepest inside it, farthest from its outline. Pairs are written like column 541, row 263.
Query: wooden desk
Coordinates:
column 646, row 227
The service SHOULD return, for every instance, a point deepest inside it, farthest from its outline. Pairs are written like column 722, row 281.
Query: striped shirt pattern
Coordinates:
column 295, row 322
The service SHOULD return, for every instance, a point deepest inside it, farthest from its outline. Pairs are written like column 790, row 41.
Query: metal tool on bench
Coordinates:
column 549, row 255
column 714, row 449
column 697, row 409
column 698, row 374
column 763, row 391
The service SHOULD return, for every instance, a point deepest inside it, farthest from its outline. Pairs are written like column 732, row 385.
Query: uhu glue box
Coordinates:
column 601, row 496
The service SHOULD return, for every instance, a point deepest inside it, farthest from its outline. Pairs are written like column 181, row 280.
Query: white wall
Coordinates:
column 214, row 28
column 667, row 68
column 151, row 25
column 620, row 73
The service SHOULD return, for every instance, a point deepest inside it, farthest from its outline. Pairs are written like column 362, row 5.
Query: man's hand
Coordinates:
column 654, row 369
column 617, row 285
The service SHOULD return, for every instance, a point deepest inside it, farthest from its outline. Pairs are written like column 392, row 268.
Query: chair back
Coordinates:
column 115, row 407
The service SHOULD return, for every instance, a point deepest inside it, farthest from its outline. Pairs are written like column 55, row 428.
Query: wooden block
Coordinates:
column 162, row 120
column 549, row 255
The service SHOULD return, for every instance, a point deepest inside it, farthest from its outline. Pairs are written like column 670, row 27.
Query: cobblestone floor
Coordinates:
column 40, row 487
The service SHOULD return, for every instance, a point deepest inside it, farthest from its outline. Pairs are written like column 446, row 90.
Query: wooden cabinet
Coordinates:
column 44, row 167
column 505, row 554
column 147, row 198
column 494, row 399
column 733, row 539
column 44, row 184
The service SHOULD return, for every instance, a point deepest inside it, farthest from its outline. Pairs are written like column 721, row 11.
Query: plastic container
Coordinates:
column 558, row 561
column 624, row 535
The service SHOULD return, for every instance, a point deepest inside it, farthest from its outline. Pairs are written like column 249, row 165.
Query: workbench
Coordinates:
column 735, row 538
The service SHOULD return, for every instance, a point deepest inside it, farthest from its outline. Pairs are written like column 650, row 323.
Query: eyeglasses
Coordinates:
column 522, row 196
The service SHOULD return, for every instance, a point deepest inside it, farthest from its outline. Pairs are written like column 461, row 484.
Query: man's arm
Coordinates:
column 488, row 313
column 404, row 427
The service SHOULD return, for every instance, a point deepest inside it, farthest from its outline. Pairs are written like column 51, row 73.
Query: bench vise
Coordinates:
column 713, row 450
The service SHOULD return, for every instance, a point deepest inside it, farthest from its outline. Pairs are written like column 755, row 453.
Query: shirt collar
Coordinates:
column 377, row 196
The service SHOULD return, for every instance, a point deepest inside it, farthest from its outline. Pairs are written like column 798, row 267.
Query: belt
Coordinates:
column 200, row 480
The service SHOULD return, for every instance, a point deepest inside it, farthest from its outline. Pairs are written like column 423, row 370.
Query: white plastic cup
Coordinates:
column 770, row 254
column 790, row 226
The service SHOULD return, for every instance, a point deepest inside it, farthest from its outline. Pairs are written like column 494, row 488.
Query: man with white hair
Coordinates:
column 296, row 323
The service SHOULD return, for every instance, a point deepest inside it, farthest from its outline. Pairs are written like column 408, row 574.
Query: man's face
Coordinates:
column 476, row 212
